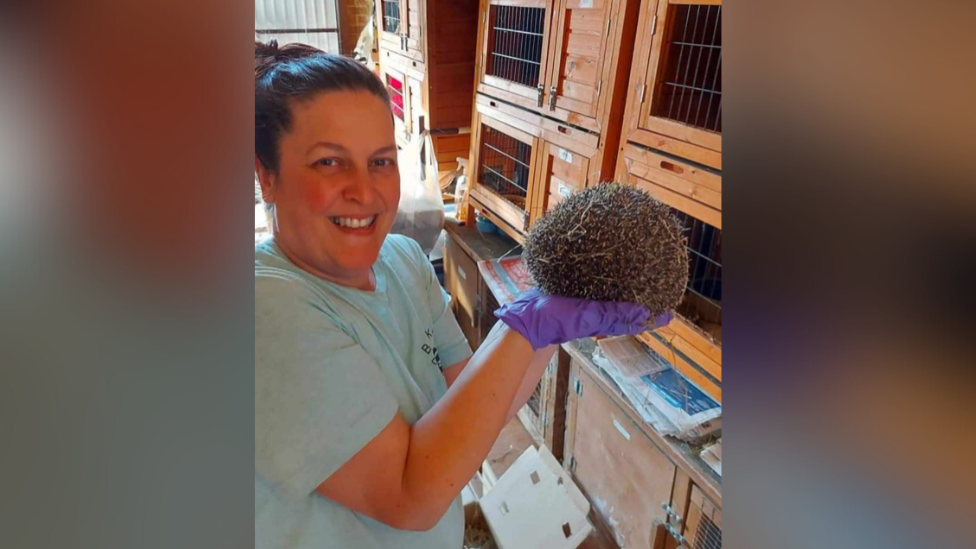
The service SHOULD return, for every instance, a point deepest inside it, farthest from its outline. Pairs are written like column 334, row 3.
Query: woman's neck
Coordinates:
column 362, row 280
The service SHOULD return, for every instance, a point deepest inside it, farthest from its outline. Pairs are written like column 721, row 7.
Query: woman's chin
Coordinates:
column 358, row 260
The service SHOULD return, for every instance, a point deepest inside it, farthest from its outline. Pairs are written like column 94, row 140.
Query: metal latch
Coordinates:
column 578, row 387
column 542, row 90
column 674, row 534
column 671, row 512
column 552, row 98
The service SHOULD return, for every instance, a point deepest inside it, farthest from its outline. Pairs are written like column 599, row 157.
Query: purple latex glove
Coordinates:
column 550, row 320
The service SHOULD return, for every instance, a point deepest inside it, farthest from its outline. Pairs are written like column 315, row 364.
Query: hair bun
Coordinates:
column 269, row 54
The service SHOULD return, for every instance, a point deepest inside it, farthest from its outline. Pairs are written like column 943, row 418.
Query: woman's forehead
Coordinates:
column 354, row 119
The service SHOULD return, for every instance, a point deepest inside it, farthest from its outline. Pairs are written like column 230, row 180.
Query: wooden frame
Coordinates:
column 693, row 191
column 387, row 39
column 566, row 114
column 463, row 281
column 548, row 426
column 683, row 185
column 688, row 465
column 555, row 144
column 702, row 519
column 614, row 462
column 514, row 216
column 485, row 42
column 403, row 126
column 641, row 126
column 466, row 246
column 562, row 174
column 435, row 51
column 597, row 47
column 590, row 34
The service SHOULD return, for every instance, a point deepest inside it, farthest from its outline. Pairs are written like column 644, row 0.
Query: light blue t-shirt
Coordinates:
column 332, row 365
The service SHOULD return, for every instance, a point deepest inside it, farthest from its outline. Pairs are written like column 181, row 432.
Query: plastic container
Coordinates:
column 485, row 226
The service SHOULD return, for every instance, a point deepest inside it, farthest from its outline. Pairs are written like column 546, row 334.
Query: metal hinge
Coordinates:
column 542, row 90
column 572, row 464
column 608, row 27
column 552, row 98
column 675, row 534
column 654, row 25
column 640, row 100
column 578, row 387
column 675, row 517
column 599, row 87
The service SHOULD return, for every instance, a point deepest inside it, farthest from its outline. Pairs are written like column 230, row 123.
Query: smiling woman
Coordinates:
column 371, row 413
column 333, row 188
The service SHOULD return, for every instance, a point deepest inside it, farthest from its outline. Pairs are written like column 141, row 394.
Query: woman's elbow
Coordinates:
column 412, row 517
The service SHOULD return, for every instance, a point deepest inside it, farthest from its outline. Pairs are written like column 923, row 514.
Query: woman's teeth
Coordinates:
column 351, row 223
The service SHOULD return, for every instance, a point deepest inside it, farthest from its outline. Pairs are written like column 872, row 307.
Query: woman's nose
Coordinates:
column 360, row 188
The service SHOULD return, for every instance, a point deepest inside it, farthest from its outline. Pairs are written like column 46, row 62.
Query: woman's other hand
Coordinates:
column 551, row 320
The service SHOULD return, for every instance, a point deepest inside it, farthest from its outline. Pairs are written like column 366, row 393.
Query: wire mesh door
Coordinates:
column 392, row 22
column 685, row 73
column 702, row 304
column 704, row 523
column 505, row 171
column 391, row 16
column 504, row 165
column 516, row 44
column 581, row 29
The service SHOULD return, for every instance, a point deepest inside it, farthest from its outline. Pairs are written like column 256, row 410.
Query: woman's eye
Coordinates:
column 327, row 162
column 384, row 162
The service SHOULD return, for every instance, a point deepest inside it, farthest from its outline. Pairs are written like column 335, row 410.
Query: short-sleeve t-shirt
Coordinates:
column 332, row 365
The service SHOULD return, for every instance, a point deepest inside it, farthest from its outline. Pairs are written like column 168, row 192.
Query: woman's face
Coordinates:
column 338, row 187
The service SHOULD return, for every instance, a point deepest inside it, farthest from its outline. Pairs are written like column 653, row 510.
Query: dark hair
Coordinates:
column 297, row 72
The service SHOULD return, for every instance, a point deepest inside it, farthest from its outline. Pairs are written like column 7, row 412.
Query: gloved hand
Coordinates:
column 549, row 320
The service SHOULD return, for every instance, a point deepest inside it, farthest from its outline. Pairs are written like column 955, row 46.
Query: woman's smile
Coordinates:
column 361, row 226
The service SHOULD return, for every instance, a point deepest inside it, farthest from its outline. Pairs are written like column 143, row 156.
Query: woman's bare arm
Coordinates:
column 407, row 476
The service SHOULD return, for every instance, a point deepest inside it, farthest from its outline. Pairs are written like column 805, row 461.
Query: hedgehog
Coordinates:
column 611, row 242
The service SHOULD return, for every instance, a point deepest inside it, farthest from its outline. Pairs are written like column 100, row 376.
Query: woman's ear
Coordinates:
column 266, row 180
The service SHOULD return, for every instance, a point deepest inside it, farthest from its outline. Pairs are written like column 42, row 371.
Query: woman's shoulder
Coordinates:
column 277, row 280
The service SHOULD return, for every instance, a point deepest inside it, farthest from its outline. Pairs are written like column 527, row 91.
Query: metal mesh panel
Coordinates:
column 396, row 96
column 515, row 50
column 391, row 16
column 535, row 400
column 702, row 303
column 708, row 535
column 504, row 165
column 690, row 88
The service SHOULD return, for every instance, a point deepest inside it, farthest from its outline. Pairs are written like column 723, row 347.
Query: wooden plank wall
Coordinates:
column 449, row 148
column 454, row 32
